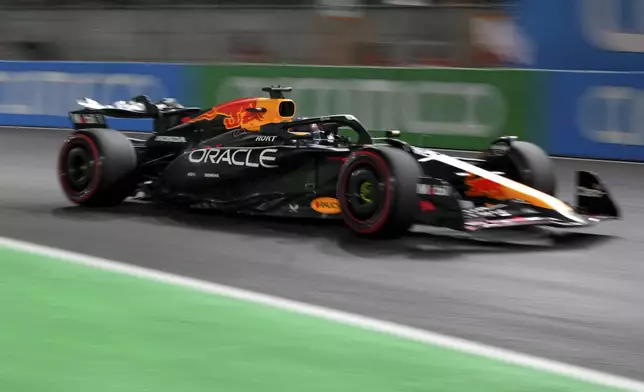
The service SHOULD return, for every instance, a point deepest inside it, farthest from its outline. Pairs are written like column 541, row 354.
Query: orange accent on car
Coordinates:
column 326, row 205
column 483, row 187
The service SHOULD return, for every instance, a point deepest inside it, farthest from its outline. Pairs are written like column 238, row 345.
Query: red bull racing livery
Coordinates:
column 253, row 156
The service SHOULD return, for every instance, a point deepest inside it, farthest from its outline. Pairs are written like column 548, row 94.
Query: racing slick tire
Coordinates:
column 96, row 167
column 524, row 162
column 377, row 191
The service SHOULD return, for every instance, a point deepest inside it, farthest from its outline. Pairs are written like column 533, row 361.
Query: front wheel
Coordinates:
column 377, row 191
column 523, row 162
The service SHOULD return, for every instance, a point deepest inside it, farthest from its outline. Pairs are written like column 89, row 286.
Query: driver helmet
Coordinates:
column 313, row 129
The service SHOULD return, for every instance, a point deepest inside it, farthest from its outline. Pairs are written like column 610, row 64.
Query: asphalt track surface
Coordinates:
column 573, row 296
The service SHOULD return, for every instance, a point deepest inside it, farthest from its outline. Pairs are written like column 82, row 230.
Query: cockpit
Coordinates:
column 326, row 133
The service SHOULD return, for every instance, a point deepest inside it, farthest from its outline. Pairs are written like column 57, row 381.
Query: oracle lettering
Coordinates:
column 245, row 157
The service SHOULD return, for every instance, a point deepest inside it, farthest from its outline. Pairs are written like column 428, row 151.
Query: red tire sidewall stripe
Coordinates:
column 382, row 166
column 96, row 180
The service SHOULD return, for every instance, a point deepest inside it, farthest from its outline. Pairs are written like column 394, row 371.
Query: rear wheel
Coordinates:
column 96, row 167
column 377, row 192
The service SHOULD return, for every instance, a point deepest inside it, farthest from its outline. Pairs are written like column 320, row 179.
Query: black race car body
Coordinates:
column 252, row 156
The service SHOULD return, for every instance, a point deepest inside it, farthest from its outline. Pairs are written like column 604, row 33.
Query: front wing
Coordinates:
column 441, row 205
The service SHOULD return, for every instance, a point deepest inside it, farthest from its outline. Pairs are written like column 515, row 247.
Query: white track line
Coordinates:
column 398, row 330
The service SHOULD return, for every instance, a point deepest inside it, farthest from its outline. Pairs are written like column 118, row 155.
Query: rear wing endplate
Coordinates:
column 82, row 119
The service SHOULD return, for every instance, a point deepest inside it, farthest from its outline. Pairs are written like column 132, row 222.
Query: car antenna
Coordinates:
column 277, row 92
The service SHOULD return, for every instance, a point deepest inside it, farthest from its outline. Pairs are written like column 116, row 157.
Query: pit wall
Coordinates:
column 568, row 113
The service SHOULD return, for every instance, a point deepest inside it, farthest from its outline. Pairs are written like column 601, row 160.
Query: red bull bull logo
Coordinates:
column 241, row 116
column 482, row 187
column 235, row 113
column 249, row 113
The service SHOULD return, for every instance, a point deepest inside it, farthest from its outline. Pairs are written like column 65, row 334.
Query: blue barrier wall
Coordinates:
column 596, row 115
column 40, row 94
column 606, row 35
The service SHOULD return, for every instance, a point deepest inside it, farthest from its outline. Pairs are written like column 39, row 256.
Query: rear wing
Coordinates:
column 166, row 113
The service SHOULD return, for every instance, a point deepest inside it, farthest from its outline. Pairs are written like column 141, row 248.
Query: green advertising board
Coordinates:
column 438, row 107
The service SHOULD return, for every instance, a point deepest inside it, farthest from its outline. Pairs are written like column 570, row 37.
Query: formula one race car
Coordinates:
column 251, row 156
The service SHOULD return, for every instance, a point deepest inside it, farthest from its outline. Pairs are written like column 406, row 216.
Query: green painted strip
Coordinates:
column 68, row 327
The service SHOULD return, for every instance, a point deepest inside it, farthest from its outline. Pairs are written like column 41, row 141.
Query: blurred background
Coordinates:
column 334, row 32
